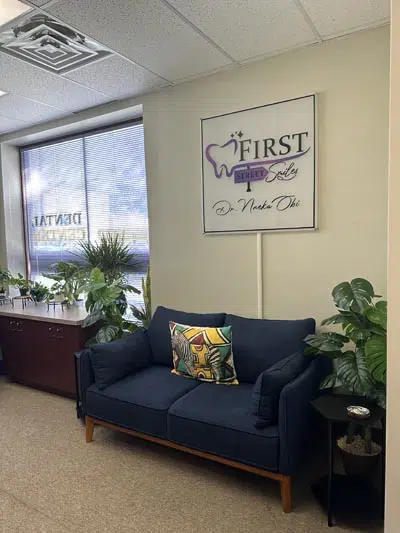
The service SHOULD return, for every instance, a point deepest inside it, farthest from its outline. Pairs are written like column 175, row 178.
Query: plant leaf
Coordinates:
column 329, row 381
column 354, row 296
column 375, row 353
column 107, row 333
column 377, row 314
column 352, row 371
column 327, row 342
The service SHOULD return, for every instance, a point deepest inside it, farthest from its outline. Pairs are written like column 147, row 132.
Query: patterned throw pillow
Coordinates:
column 203, row 353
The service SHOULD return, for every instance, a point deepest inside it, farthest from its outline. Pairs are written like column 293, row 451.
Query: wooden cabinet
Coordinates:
column 41, row 354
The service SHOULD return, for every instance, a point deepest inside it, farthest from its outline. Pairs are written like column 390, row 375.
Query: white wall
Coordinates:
column 209, row 273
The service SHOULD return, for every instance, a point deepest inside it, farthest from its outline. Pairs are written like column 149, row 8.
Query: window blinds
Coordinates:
column 82, row 188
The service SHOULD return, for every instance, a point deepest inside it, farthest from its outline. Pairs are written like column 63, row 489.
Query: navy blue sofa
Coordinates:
column 260, row 425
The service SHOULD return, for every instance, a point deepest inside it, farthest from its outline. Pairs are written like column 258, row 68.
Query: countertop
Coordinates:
column 72, row 316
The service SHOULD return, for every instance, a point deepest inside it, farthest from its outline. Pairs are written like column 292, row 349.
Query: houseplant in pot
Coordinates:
column 68, row 279
column 21, row 284
column 106, row 305
column 38, row 291
column 5, row 278
column 359, row 360
column 142, row 314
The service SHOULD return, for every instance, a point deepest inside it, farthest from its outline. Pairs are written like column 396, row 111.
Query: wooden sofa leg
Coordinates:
column 89, row 429
column 286, row 495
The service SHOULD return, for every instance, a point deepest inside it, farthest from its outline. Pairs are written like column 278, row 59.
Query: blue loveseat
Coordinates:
column 260, row 425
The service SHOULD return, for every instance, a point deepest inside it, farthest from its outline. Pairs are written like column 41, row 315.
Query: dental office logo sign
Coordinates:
column 259, row 168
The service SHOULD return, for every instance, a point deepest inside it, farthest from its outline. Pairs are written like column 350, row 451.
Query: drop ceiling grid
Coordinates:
column 332, row 18
column 117, row 77
column 148, row 33
column 33, row 83
column 245, row 28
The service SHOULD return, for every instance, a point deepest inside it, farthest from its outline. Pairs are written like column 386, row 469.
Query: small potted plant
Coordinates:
column 358, row 361
column 5, row 278
column 22, row 284
column 38, row 291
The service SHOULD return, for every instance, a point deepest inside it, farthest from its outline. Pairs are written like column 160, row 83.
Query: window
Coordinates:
column 82, row 187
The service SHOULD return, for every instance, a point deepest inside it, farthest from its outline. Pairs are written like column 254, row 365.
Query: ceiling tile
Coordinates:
column 21, row 108
column 117, row 77
column 343, row 16
column 149, row 33
column 10, row 124
column 39, row 3
column 245, row 28
column 32, row 82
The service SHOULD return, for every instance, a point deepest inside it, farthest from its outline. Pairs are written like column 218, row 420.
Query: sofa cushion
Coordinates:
column 139, row 401
column 203, row 353
column 257, row 343
column 217, row 420
column 160, row 336
column 267, row 389
column 112, row 361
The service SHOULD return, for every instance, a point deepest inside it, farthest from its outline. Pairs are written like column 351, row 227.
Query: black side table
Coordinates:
column 341, row 490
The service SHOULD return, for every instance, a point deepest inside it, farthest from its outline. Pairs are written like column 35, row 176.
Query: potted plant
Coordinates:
column 142, row 315
column 103, row 302
column 110, row 254
column 68, row 279
column 22, row 284
column 39, row 292
column 5, row 278
column 359, row 360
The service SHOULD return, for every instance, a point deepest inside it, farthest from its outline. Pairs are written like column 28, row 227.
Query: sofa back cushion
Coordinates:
column 259, row 343
column 160, row 335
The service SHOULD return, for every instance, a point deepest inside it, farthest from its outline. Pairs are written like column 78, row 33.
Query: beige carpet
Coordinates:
column 51, row 481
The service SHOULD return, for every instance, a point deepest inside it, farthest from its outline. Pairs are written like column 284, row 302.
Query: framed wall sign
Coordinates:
column 259, row 168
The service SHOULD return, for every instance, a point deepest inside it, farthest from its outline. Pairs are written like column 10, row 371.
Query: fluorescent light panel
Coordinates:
column 2, row 93
column 11, row 9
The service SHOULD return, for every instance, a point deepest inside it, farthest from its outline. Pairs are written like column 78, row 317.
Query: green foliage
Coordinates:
column 68, row 278
column 143, row 314
column 20, row 282
column 106, row 304
column 38, row 291
column 5, row 278
column 360, row 354
column 110, row 254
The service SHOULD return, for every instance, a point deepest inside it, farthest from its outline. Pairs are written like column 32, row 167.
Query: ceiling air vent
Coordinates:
column 46, row 43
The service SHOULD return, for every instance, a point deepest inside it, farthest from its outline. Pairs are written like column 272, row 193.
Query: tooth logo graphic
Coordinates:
column 245, row 172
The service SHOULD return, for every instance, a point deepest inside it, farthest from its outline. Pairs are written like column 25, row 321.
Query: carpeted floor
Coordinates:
column 51, row 481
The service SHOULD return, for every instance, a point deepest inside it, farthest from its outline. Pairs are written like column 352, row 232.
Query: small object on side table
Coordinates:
column 343, row 494
column 357, row 411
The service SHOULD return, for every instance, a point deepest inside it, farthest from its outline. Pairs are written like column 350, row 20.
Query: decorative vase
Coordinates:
column 357, row 463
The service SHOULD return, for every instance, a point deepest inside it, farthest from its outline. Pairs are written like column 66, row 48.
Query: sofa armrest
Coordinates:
column 84, row 378
column 295, row 413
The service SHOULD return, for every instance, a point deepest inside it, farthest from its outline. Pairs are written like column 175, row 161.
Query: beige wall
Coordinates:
column 11, row 219
column 392, row 519
column 208, row 273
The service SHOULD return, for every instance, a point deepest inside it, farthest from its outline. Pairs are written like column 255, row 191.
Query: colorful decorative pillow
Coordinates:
column 203, row 353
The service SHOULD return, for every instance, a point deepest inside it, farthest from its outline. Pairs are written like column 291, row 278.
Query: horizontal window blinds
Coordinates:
column 82, row 188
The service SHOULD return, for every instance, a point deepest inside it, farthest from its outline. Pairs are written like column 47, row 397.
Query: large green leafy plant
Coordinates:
column 68, row 278
column 106, row 305
column 359, row 354
column 142, row 314
column 110, row 254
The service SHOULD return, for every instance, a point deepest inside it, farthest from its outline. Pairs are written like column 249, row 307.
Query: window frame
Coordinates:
column 62, row 138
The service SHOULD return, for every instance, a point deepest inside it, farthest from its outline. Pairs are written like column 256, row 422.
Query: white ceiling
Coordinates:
column 158, row 42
